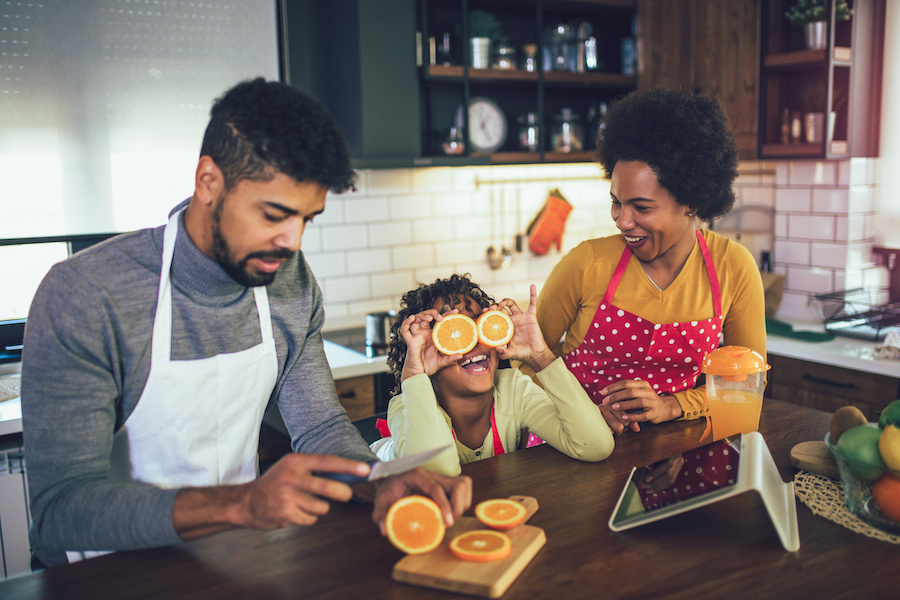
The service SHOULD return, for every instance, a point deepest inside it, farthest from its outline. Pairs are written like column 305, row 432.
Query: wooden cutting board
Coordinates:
column 442, row 570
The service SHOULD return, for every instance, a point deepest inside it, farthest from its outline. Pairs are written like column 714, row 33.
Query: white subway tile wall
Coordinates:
column 405, row 226
column 824, row 230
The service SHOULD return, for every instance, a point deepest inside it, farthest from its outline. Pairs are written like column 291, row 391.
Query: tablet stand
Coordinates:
column 757, row 472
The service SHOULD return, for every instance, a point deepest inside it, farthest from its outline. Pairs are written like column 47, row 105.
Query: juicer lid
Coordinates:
column 734, row 360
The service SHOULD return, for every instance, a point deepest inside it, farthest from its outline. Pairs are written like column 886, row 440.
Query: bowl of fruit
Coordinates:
column 868, row 459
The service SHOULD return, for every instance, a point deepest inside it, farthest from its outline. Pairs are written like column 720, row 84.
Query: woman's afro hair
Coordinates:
column 685, row 139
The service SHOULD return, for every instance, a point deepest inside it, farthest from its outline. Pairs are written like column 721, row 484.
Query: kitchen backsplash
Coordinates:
column 404, row 226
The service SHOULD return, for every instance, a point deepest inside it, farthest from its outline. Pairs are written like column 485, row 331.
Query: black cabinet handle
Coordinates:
column 821, row 380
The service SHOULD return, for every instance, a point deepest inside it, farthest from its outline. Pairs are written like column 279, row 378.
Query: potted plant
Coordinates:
column 483, row 30
column 812, row 16
column 812, row 102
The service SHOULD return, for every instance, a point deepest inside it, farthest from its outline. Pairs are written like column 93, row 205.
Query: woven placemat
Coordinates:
column 9, row 387
column 825, row 498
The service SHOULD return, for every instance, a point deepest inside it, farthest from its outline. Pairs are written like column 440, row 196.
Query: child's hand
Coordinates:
column 421, row 355
column 528, row 344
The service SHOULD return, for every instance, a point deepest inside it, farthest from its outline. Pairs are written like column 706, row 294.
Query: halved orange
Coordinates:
column 455, row 334
column 415, row 524
column 500, row 513
column 495, row 328
column 481, row 545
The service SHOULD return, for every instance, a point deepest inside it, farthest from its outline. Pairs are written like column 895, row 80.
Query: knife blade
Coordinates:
column 389, row 468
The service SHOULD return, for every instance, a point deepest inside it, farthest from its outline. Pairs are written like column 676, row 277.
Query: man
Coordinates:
column 150, row 359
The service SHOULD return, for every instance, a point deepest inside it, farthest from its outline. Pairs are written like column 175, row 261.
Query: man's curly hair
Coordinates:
column 259, row 128
column 454, row 291
column 685, row 139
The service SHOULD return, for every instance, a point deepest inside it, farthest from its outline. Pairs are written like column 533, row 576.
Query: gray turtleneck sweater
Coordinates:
column 87, row 357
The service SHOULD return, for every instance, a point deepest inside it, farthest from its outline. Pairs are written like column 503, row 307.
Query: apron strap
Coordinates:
column 713, row 276
column 498, row 444
column 161, row 344
column 617, row 275
column 717, row 312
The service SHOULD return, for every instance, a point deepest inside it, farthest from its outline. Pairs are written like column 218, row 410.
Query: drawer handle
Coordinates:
column 839, row 384
column 348, row 394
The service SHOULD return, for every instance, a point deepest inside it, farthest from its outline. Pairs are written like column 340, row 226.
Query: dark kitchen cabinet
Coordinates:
column 373, row 65
column 358, row 57
column 827, row 387
column 841, row 82
column 708, row 46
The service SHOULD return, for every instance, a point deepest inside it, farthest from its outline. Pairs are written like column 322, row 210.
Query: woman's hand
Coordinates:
column 633, row 401
column 528, row 343
column 615, row 421
column 421, row 355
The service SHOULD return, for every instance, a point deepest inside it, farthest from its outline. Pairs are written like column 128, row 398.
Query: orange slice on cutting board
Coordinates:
column 415, row 525
column 455, row 334
column 481, row 545
column 495, row 328
column 500, row 513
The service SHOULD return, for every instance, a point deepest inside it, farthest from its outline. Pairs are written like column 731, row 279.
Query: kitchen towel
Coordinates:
column 784, row 329
column 9, row 387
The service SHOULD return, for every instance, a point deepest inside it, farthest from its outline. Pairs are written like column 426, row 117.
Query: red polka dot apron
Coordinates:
column 621, row 345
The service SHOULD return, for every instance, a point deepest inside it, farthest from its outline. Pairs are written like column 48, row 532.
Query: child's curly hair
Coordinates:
column 685, row 139
column 452, row 291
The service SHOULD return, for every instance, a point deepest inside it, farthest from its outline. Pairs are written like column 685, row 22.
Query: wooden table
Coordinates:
column 727, row 550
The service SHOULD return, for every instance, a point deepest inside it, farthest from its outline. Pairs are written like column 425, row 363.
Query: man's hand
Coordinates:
column 452, row 494
column 289, row 493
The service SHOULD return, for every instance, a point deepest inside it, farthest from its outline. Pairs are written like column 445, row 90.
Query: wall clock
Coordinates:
column 487, row 125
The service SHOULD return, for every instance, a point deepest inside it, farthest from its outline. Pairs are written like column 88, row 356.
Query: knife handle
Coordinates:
column 343, row 477
column 348, row 478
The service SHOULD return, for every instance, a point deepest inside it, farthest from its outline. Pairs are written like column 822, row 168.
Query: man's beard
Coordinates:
column 237, row 269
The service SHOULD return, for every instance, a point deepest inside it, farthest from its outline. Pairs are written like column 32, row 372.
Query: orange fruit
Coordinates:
column 495, row 328
column 481, row 545
column 500, row 513
column 454, row 334
column 886, row 494
column 415, row 524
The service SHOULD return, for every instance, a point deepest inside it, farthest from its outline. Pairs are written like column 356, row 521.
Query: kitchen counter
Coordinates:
column 728, row 549
column 344, row 362
column 844, row 352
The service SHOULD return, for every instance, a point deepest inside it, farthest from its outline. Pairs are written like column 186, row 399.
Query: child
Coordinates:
column 463, row 401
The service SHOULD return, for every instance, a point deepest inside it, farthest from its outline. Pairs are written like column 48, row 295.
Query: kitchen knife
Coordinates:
column 382, row 469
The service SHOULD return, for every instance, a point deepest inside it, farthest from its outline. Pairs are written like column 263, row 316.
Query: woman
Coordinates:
column 640, row 310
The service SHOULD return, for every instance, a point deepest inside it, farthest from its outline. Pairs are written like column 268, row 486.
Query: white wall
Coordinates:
column 887, row 230
column 405, row 226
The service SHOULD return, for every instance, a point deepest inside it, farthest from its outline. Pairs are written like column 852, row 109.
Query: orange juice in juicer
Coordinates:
column 735, row 381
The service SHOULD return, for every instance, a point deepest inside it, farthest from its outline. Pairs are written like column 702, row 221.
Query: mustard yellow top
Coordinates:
column 570, row 297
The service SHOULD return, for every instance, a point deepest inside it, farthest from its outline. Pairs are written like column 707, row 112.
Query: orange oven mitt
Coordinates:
column 547, row 227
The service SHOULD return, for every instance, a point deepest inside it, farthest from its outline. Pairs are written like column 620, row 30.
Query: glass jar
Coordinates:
column 453, row 143
column 568, row 134
column 505, row 56
column 529, row 132
column 529, row 58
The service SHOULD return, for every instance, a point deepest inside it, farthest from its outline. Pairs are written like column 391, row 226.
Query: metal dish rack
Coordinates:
column 853, row 313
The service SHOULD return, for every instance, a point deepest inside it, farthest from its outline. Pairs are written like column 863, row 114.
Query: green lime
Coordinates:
column 890, row 415
column 860, row 444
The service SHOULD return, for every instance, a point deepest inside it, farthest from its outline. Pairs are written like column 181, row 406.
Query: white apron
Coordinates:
column 197, row 421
